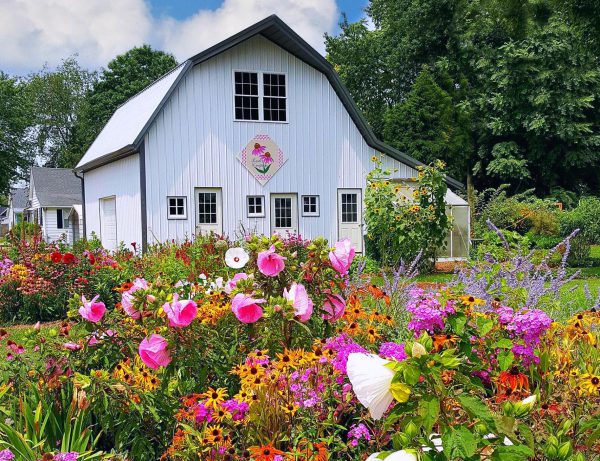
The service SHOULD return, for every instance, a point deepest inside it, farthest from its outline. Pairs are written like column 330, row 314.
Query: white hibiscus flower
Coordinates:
column 236, row 258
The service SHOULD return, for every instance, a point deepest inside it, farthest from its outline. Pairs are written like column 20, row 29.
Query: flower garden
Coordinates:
column 274, row 348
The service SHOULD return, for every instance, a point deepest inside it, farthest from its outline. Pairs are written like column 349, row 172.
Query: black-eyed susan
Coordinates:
column 441, row 340
column 214, row 397
column 290, row 408
column 589, row 383
column 471, row 301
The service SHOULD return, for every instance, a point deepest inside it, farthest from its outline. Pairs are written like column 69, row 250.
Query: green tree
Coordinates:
column 15, row 119
column 56, row 97
column 124, row 76
column 428, row 126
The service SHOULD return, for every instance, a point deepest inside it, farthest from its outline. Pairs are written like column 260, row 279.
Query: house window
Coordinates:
column 256, row 206
column 207, row 208
column 310, row 205
column 283, row 212
column 349, row 208
column 246, row 96
column 177, row 208
column 62, row 219
column 265, row 102
column 274, row 99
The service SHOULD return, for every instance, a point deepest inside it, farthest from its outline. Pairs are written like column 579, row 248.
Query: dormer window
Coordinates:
column 260, row 96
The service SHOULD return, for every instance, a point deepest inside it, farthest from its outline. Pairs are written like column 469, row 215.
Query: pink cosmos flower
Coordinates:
column 246, row 308
column 92, row 311
column 231, row 285
column 93, row 341
column 258, row 149
column 127, row 305
column 333, row 307
column 72, row 346
column 341, row 256
column 270, row 263
column 303, row 305
column 138, row 284
column 180, row 313
column 154, row 352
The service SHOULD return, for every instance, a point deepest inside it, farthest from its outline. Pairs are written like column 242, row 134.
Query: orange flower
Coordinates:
column 513, row 380
column 439, row 341
column 265, row 453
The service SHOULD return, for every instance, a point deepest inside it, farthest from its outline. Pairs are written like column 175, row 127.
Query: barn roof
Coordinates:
column 124, row 132
column 56, row 187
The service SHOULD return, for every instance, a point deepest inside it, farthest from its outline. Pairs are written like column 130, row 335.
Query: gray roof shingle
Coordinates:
column 19, row 197
column 56, row 187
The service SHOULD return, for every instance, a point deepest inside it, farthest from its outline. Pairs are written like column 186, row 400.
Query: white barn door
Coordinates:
column 350, row 217
column 108, row 223
column 209, row 211
column 284, row 213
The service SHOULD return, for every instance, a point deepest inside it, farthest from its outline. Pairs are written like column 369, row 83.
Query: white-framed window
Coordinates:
column 255, row 206
column 310, row 205
column 349, row 202
column 176, row 207
column 62, row 219
column 207, row 208
column 260, row 96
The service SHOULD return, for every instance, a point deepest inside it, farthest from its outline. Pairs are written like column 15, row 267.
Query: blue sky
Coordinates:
column 38, row 32
column 181, row 9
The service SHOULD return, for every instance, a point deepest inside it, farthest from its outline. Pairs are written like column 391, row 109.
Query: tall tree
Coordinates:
column 57, row 97
column 15, row 119
column 123, row 77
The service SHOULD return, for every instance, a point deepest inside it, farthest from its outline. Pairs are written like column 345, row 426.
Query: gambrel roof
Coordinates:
column 124, row 132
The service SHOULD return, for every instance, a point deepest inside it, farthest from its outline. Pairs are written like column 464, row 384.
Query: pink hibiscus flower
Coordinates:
column 341, row 256
column 333, row 307
column 270, row 263
column 303, row 305
column 154, row 352
column 180, row 313
column 246, row 308
column 92, row 311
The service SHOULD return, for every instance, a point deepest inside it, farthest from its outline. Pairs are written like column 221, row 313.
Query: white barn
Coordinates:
column 256, row 133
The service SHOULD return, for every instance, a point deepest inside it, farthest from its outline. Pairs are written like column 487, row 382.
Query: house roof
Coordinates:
column 125, row 130
column 19, row 197
column 56, row 187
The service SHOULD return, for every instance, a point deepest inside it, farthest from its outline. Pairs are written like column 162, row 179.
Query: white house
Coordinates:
column 55, row 203
column 256, row 133
column 17, row 202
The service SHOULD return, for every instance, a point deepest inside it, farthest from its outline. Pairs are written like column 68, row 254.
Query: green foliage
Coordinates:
column 491, row 244
column 585, row 217
column 57, row 97
column 503, row 90
column 404, row 220
column 427, row 126
column 15, row 119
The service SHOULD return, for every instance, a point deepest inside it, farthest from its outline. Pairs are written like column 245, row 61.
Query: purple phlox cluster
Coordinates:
column 530, row 325
column 5, row 266
column 525, row 354
column 6, row 455
column 66, row 456
column 308, row 387
column 357, row 433
column 393, row 351
column 203, row 413
column 427, row 311
column 237, row 408
column 343, row 346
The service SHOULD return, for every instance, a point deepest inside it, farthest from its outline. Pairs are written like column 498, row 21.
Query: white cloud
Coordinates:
column 33, row 32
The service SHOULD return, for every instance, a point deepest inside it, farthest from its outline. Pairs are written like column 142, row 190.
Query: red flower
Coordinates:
column 56, row 257
column 68, row 258
column 92, row 259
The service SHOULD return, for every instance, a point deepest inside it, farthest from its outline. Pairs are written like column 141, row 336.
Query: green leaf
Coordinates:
column 464, row 443
column 512, row 453
column 429, row 410
column 503, row 343
column 477, row 409
column 458, row 322
column 484, row 325
column 505, row 359
column 411, row 374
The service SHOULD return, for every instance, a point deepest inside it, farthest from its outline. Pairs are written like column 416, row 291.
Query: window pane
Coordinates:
column 246, row 96
column 349, row 208
column 207, row 208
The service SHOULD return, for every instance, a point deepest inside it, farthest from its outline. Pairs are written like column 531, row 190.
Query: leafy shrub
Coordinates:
column 580, row 253
column 401, row 227
column 500, row 247
column 586, row 217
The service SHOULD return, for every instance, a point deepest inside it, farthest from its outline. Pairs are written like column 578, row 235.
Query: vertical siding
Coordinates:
column 194, row 142
column 51, row 231
column 121, row 179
